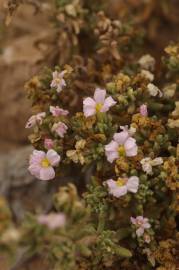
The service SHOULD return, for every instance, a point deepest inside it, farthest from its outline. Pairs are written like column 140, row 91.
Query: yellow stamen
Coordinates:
column 121, row 182
column 45, row 163
column 121, row 151
column 99, row 107
column 58, row 80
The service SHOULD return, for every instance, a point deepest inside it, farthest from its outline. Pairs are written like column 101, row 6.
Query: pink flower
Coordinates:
column 41, row 164
column 60, row 128
column 97, row 104
column 58, row 81
column 143, row 110
column 35, row 119
column 122, row 186
column 141, row 224
column 57, row 111
column 121, row 145
column 53, row 220
column 48, row 143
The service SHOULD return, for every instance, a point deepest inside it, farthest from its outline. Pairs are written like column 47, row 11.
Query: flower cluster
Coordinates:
column 120, row 137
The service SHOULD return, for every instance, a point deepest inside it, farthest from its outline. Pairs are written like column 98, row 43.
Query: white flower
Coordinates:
column 35, row 120
column 58, row 81
column 147, row 74
column 147, row 62
column 122, row 186
column 60, row 128
column 121, row 145
column 41, row 164
column 148, row 163
column 141, row 224
column 154, row 90
column 99, row 103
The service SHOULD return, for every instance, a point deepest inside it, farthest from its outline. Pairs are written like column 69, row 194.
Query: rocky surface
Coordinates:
column 23, row 191
column 24, row 48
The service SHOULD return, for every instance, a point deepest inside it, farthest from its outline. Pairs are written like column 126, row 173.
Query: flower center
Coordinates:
column 139, row 223
column 45, row 163
column 121, row 182
column 99, row 107
column 121, row 150
column 58, row 80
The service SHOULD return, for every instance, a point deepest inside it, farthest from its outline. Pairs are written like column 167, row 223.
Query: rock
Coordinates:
column 25, row 47
column 23, row 191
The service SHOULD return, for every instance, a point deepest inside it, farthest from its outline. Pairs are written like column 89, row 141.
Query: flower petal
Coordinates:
column 109, row 102
column 99, row 95
column 36, row 157
column 53, row 157
column 35, row 170
column 133, row 184
column 47, row 173
column 140, row 231
column 89, row 107
column 111, row 151
column 131, row 147
column 121, row 137
column 110, row 183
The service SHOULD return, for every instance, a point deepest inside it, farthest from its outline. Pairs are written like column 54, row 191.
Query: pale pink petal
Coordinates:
column 55, row 110
column 55, row 74
column 114, row 189
column 53, row 220
column 121, row 137
column 109, row 102
column 111, row 151
column 89, row 102
column 61, row 85
column 89, row 111
column 99, row 95
column 53, row 84
column 132, row 152
column 35, row 170
column 146, row 223
column 133, row 184
column 89, row 107
column 36, row 157
column 131, row 147
column 119, row 191
column 111, row 147
column 53, row 157
column 47, row 173
column 60, row 128
column 111, row 156
column 140, row 231
column 111, row 183
column 140, row 219
column 133, row 220
column 59, row 88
